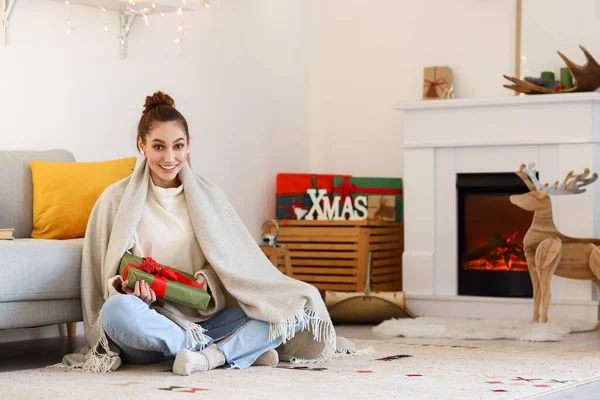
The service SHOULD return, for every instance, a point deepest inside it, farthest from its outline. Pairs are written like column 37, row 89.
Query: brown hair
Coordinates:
column 160, row 107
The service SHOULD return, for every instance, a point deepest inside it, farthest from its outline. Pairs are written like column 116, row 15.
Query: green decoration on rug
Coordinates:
column 168, row 283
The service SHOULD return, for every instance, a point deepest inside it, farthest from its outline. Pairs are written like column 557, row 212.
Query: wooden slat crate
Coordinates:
column 333, row 255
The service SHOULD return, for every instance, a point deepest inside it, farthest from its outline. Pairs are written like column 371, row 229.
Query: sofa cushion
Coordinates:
column 64, row 194
column 16, row 204
column 37, row 269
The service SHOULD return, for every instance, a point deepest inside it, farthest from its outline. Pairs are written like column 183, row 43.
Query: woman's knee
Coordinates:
column 120, row 310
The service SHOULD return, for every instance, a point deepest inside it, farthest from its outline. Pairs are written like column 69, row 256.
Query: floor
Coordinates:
column 38, row 353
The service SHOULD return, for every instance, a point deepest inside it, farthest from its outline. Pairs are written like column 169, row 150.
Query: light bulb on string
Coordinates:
column 145, row 17
column 179, row 40
column 70, row 28
column 105, row 24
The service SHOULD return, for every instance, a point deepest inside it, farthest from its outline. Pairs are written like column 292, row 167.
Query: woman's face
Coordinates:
column 166, row 149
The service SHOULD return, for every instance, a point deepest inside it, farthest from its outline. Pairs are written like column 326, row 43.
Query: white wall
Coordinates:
column 369, row 56
column 242, row 83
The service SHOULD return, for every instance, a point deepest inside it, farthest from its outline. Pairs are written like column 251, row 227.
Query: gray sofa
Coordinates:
column 39, row 279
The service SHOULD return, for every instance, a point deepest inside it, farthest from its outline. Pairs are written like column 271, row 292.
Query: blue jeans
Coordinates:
column 146, row 337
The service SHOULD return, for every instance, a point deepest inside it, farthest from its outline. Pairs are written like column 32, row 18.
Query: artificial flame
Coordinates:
column 500, row 253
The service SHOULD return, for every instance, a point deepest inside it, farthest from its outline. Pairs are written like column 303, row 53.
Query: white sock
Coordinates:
column 188, row 361
column 270, row 358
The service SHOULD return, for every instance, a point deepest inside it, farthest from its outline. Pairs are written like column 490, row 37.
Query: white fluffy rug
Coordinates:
column 396, row 370
column 484, row 329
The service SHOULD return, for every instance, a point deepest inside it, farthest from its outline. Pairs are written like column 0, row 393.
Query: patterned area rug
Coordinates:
column 396, row 370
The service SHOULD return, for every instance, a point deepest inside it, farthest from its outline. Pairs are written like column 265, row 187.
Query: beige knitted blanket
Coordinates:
column 262, row 291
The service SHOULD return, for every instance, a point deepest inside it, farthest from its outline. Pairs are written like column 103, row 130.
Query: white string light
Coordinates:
column 70, row 28
column 179, row 39
column 144, row 12
column 105, row 24
column 145, row 17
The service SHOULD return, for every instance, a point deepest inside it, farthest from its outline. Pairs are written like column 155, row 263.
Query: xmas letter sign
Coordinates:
column 331, row 210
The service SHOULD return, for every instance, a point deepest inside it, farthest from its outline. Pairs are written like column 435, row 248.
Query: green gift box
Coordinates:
column 163, row 282
column 365, row 186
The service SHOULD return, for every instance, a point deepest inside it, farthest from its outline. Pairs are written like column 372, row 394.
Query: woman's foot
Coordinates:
column 270, row 358
column 188, row 361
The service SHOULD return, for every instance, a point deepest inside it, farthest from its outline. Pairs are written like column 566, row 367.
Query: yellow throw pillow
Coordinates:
column 64, row 194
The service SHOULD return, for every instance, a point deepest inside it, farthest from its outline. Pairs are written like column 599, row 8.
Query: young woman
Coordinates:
column 167, row 212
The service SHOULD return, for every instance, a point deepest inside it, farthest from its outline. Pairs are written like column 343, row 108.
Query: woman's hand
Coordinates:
column 201, row 280
column 141, row 290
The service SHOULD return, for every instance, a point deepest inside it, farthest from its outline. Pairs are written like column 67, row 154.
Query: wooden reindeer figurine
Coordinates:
column 548, row 251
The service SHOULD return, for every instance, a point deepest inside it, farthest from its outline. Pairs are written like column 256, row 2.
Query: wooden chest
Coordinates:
column 333, row 255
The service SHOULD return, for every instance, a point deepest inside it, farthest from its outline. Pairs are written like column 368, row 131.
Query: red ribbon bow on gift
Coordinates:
column 435, row 83
column 346, row 189
column 162, row 274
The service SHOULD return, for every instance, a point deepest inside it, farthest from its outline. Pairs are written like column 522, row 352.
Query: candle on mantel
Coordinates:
column 566, row 79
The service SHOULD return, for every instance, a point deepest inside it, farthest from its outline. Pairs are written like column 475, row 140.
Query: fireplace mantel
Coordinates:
column 445, row 137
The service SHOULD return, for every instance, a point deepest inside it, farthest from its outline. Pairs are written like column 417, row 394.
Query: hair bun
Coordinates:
column 158, row 99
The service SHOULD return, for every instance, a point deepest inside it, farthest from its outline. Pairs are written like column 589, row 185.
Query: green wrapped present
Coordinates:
column 168, row 283
column 364, row 186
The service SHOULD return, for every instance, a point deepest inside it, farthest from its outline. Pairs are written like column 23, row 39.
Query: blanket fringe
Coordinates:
column 323, row 331
column 195, row 335
column 348, row 352
column 94, row 360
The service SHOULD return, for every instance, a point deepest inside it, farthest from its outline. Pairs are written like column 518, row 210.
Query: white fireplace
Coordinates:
column 443, row 138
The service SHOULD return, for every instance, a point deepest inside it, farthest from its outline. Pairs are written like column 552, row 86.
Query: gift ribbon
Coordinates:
column 161, row 275
column 347, row 189
column 294, row 206
column 436, row 82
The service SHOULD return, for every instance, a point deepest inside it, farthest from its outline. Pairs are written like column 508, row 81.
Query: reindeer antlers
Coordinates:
column 587, row 77
column 527, row 174
column 572, row 184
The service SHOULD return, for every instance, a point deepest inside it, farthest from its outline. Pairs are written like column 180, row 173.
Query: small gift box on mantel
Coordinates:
column 436, row 82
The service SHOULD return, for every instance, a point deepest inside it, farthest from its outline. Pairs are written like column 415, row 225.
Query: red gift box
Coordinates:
column 291, row 191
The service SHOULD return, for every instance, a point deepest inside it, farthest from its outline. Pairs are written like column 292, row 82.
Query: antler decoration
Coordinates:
column 528, row 175
column 572, row 184
column 587, row 78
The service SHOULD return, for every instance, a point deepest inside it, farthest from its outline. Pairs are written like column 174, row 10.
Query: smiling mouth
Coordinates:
column 168, row 168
